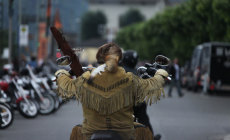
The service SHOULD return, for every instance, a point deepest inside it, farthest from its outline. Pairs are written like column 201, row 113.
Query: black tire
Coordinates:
column 56, row 99
column 6, row 116
column 47, row 105
column 28, row 109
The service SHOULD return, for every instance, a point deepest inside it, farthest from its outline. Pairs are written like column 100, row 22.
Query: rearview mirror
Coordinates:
column 162, row 60
column 63, row 61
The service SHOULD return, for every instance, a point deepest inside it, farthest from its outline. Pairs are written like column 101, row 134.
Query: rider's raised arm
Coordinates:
column 67, row 87
column 149, row 90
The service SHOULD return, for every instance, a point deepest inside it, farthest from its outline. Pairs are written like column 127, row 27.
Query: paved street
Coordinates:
column 194, row 116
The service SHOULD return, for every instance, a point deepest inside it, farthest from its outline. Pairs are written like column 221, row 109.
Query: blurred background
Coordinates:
column 25, row 33
column 170, row 27
column 196, row 32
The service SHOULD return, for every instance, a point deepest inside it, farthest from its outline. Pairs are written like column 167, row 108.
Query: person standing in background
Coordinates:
column 33, row 62
column 174, row 70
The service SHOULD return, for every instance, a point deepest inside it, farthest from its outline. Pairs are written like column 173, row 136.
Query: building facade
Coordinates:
column 113, row 9
column 34, row 12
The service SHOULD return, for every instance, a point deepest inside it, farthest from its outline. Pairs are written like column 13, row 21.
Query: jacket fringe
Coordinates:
column 76, row 133
column 123, row 97
column 142, row 132
column 151, row 97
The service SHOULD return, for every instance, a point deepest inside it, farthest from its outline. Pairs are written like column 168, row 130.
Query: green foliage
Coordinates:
column 177, row 30
column 130, row 17
column 91, row 23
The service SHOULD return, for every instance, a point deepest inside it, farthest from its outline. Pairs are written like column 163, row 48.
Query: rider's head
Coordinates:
column 110, row 54
column 108, row 50
column 130, row 58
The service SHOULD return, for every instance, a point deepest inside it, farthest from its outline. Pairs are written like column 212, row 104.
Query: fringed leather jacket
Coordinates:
column 108, row 100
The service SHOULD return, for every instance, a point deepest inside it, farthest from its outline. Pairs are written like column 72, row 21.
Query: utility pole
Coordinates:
column 10, row 30
column 37, row 23
column 48, row 15
column 1, row 25
column 20, row 12
column 1, row 14
column 19, row 24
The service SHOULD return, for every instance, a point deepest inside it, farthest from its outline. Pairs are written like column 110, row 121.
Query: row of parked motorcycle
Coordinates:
column 28, row 92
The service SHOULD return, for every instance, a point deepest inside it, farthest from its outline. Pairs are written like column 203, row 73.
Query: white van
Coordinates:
column 210, row 67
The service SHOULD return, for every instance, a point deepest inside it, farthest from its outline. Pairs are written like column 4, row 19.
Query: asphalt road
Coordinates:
column 192, row 117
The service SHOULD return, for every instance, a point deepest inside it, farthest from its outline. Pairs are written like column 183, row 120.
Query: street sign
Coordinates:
column 24, row 35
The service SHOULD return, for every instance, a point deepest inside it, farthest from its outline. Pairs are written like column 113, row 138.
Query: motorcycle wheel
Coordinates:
column 6, row 116
column 56, row 99
column 47, row 104
column 28, row 109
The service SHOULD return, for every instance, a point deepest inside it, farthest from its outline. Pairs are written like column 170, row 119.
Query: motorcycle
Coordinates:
column 6, row 112
column 147, row 71
column 46, row 85
column 45, row 100
column 19, row 97
column 25, row 104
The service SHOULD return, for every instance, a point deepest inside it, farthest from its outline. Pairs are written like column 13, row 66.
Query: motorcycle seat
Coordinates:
column 105, row 135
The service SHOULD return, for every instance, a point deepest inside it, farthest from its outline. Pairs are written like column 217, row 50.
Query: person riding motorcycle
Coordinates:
column 108, row 93
column 129, row 62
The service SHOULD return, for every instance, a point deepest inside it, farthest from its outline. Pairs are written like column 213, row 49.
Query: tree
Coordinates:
column 130, row 17
column 91, row 23
column 178, row 30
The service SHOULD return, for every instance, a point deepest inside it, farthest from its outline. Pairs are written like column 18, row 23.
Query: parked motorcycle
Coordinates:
column 26, row 105
column 45, row 100
column 45, row 82
column 19, row 97
column 6, row 112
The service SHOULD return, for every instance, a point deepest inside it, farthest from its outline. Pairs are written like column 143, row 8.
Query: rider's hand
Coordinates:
column 60, row 72
column 162, row 72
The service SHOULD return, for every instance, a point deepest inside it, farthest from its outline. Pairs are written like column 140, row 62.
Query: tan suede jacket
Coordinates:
column 108, row 101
